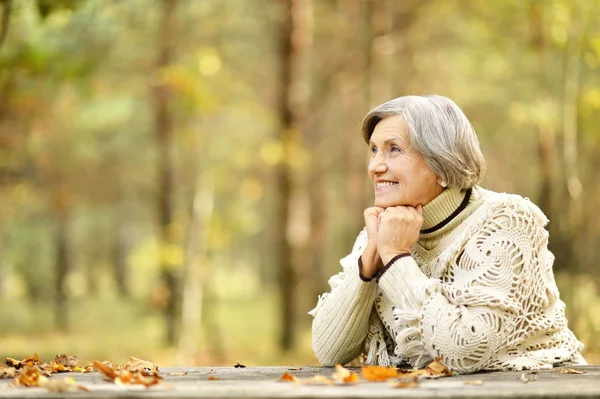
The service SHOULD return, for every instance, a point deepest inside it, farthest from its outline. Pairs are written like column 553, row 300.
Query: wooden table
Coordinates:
column 260, row 382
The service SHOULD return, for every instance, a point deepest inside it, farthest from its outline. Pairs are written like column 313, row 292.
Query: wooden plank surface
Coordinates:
column 260, row 382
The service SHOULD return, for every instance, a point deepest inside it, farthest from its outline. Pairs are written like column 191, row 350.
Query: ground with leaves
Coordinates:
column 37, row 379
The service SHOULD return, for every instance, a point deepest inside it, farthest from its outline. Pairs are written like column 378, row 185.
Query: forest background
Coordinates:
column 179, row 178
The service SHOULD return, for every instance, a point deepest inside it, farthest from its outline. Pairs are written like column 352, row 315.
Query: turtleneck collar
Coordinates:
column 443, row 207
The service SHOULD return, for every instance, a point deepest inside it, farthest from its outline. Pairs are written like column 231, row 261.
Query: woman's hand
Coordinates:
column 371, row 260
column 398, row 232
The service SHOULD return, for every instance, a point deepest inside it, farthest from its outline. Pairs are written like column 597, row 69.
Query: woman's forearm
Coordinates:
column 342, row 321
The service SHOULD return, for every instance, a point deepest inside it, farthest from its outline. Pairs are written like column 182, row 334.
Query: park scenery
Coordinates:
column 179, row 178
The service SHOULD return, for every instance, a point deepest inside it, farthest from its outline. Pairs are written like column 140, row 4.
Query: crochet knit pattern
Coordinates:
column 479, row 293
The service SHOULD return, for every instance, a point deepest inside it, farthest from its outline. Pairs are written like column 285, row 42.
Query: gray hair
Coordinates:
column 440, row 131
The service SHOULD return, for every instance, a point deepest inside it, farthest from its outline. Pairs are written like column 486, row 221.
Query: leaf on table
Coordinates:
column 178, row 373
column 570, row 371
column 213, row 378
column 106, row 370
column 316, row 380
column 378, row 373
column 437, row 368
column 474, row 382
column 138, row 365
column 528, row 377
column 239, row 366
column 344, row 376
column 287, row 377
column 14, row 363
column 35, row 359
column 64, row 385
column 411, row 382
column 128, row 377
column 69, row 362
column 29, row 376
column 8, row 372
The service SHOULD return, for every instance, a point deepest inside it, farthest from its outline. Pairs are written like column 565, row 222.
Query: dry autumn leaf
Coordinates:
column 127, row 377
column 69, row 362
column 138, row 365
column 287, row 377
column 29, row 376
column 14, row 363
column 213, row 378
column 378, row 373
column 570, row 371
column 437, row 368
column 8, row 372
column 344, row 376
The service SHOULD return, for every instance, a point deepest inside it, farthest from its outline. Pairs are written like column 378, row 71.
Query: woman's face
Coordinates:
column 399, row 173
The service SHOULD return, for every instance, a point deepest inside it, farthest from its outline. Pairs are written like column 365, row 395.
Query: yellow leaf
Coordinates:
column 378, row 373
column 344, row 376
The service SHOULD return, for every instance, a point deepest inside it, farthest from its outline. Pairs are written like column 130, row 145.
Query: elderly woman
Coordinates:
column 443, row 268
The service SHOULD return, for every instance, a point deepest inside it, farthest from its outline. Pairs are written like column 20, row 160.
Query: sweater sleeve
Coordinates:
column 485, row 302
column 341, row 318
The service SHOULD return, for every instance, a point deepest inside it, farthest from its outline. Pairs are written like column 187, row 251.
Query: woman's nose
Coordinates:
column 377, row 164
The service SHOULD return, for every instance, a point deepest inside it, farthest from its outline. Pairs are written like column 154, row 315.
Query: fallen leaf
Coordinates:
column 528, row 377
column 213, row 378
column 7, row 372
column 344, row 376
column 287, row 377
column 128, row 377
column 437, row 368
column 29, row 376
column 69, row 362
column 474, row 382
column 570, row 371
column 137, row 365
column 64, row 385
column 378, row 373
column 239, row 366
column 16, row 364
column 411, row 382
column 107, row 371
column 178, row 373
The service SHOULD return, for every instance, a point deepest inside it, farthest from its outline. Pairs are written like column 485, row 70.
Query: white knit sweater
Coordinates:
column 478, row 292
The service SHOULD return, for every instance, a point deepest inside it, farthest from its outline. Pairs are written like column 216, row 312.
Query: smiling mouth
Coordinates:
column 385, row 184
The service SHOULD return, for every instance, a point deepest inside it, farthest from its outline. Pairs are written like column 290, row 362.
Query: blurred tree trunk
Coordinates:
column 62, row 261
column 356, row 162
column 570, row 111
column 120, row 251
column 194, row 275
column 6, row 7
column 544, row 129
column 164, row 132
column 292, row 93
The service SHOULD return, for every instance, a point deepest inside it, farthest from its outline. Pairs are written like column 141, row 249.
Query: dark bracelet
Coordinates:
column 362, row 276
column 389, row 264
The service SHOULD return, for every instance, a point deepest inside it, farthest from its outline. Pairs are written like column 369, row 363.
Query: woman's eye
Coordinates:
column 374, row 150
column 396, row 149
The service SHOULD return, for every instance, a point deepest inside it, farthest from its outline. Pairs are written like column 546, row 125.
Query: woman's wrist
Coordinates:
column 387, row 256
column 370, row 262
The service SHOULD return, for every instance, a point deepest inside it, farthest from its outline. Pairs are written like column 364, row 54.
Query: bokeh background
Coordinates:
column 179, row 178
